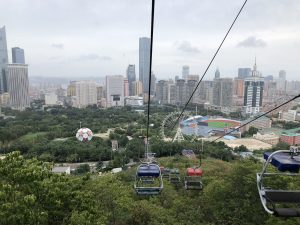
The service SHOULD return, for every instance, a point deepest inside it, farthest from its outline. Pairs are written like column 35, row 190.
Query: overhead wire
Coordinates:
column 211, row 61
column 235, row 129
column 150, row 74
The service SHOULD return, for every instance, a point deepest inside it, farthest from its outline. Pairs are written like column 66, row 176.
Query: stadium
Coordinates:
column 204, row 126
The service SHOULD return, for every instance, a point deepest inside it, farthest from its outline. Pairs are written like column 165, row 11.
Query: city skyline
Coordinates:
column 69, row 46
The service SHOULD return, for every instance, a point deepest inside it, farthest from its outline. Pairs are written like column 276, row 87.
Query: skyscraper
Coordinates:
column 238, row 87
column 281, row 82
column 18, row 55
column 205, row 91
column 244, row 72
column 162, row 89
column 153, row 84
column 126, row 88
column 130, row 73
column 185, row 72
column 86, row 93
column 3, row 60
column 18, row 86
column 217, row 73
column 138, row 88
column 223, row 92
column 253, row 94
column 190, row 87
column 114, row 90
column 181, row 93
column 144, row 62
column 282, row 74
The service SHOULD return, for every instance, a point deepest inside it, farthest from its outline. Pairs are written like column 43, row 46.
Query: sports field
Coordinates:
column 222, row 124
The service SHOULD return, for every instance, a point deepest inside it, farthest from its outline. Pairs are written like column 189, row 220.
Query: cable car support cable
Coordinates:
column 211, row 61
column 235, row 129
column 150, row 73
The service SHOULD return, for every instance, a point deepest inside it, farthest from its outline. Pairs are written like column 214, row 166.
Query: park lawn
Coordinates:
column 30, row 136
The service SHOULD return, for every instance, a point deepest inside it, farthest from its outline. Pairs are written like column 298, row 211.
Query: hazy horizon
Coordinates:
column 96, row 38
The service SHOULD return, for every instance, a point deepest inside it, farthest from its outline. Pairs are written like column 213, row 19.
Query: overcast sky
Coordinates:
column 71, row 38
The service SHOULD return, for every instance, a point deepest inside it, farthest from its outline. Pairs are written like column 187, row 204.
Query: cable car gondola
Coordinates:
column 148, row 180
column 165, row 172
column 193, row 179
column 287, row 163
column 174, row 176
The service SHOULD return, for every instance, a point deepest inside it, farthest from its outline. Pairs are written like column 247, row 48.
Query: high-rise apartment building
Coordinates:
column 223, row 92
column 162, row 91
column 270, row 90
column 100, row 93
column 18, row 86
column 144, row 62
column 281, row 82
column 138, row 88
column 253, row 94
column 114, row 91
column 244, row 72
column 126, row 87
column 3, row 60
column 130, row 74
column 86, row 93
column 172, row 94
column 71, row 90
column 153, row 84
column 205, row 91
column 185, row 72
column 181, row 93
column 193, row 77
column 238, row 88
column 282, row 74
column 190, row 87
column 18, row 55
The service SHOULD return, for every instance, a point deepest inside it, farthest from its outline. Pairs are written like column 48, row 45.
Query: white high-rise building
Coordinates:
column 86, row 93
column 114, row 90
column 18, row 86
column 253, row 92
column 51, row 99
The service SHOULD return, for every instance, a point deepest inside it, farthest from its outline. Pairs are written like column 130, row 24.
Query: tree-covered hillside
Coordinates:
column 31, row 194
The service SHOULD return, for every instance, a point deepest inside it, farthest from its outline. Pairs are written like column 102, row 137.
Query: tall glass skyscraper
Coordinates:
column 130, row 73
column 18, row 55
column 3, row 60
column 144, row 62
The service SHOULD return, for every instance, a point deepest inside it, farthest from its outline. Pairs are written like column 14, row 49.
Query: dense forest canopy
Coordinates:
column 31, row 194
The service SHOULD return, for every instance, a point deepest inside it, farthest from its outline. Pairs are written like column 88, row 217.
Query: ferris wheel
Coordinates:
column 184, row 130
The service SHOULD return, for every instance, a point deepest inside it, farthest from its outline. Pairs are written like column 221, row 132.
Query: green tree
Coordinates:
column 83, row 168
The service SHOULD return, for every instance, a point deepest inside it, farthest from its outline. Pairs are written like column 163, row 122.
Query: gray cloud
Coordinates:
column 252, row 42
column 58, row 46
column 186, row 46
column 78, row 28
column 93, row 56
